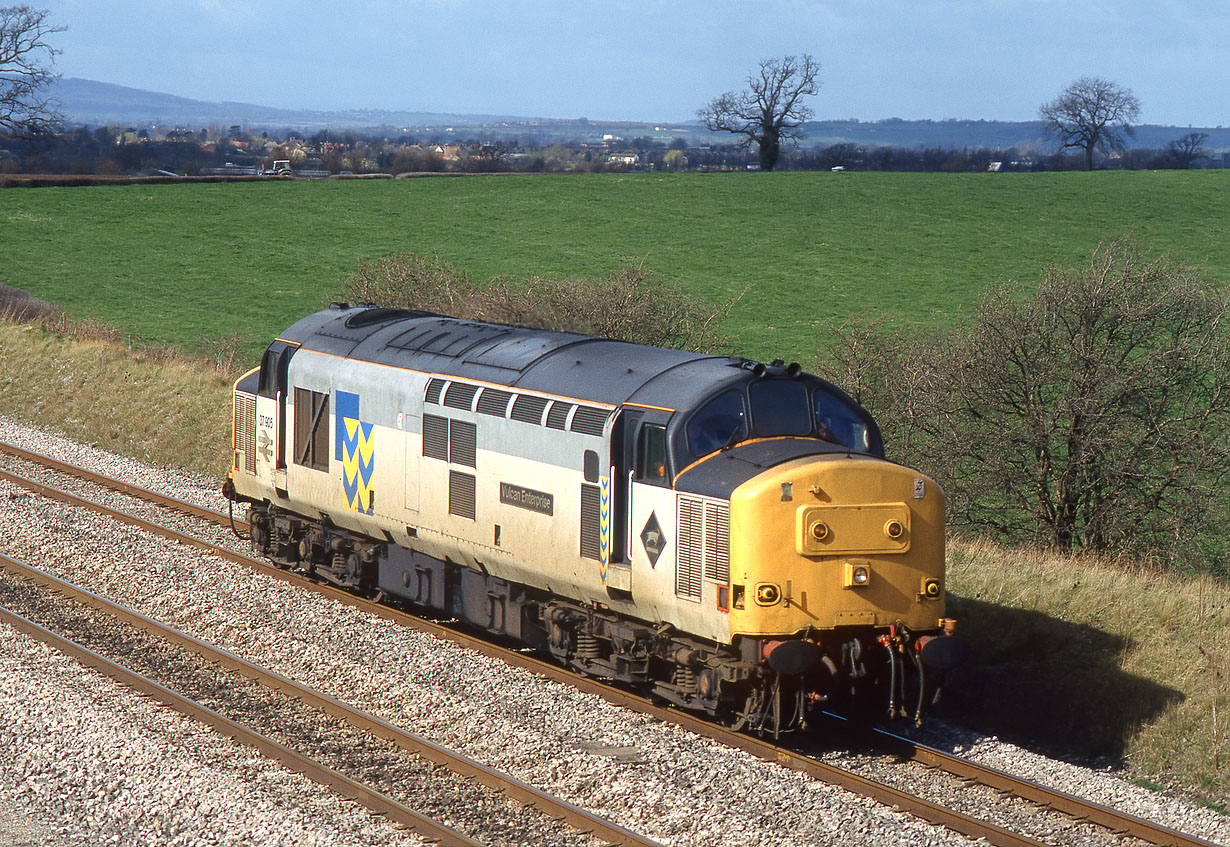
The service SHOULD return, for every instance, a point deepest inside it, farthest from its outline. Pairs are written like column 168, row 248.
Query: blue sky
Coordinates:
column 651, row 60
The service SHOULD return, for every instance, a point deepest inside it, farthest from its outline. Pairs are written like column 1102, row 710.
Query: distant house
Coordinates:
column 628, row 159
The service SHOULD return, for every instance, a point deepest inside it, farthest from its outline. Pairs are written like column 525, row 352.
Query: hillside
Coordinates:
column 99, row 103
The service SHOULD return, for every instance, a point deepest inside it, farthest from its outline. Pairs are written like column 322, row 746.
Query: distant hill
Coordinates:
column 100, row 103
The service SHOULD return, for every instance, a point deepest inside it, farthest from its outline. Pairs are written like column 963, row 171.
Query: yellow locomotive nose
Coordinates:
column 843, row 540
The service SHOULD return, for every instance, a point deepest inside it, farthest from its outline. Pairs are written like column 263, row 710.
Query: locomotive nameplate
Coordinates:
column 527, row 498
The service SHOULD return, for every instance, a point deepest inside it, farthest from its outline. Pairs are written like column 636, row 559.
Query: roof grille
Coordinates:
column 460, row 396
column 528, row 409
column 494, row 402
column 589, row 420
column 434, row 387
column 557, row 417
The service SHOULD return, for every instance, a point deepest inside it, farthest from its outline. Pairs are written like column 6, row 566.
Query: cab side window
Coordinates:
column 651, row 455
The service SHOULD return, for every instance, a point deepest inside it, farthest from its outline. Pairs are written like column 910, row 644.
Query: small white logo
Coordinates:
column 919, row 489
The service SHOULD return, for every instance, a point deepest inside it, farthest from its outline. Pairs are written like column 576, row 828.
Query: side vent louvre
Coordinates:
column 528, row 409
column 589, row 420
column 591, row 522
column 717, row 542
column 434, row 387
column 689, row 555
column 460, row 396
column 461, row 494
column 245, row 429
column 494, row 402
column 462, row 443
column 435, row 437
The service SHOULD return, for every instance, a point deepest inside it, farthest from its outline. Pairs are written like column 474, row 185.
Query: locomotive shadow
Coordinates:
column 1048, row 684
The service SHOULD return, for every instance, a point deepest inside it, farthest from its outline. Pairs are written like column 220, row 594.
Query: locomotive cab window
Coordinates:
column 779, row 407
column 651, row 455
column 719, row 423
column 836, row 421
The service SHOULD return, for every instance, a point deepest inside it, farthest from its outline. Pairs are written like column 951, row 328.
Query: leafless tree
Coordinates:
column 26, row 59
column 1093, row 114
column 1183, row 151
column 769, row 112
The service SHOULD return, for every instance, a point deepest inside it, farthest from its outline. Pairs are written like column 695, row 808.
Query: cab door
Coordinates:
column 271, row 401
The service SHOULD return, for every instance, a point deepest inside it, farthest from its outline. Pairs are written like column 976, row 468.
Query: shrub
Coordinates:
column 1094, row 415
column 630, row 303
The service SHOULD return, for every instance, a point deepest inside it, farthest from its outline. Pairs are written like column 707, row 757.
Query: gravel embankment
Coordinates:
column 84, row 762
column 650, row 777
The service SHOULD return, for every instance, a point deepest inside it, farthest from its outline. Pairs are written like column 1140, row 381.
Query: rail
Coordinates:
column 524, row 793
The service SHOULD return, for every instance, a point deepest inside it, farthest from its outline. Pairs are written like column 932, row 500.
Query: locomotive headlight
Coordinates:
column 767, row 594
column 858, row 574
column 819, row 530
column 894, row 529
column 931, row 588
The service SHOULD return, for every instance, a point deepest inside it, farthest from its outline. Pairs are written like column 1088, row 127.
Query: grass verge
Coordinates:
column 173, row 412
column 1078, row 657
column 1095, row 658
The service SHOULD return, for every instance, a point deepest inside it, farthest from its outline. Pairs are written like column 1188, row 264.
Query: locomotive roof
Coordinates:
column 581, row 366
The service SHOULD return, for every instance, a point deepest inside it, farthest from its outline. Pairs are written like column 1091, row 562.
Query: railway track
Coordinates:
column 1077, row 808
column 378, row 801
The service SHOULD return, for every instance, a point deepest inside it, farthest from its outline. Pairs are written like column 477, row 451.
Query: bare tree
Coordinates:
column 26, row 59
column 1183, row 151
column 769, row 112
column 1093, row 415
column 1093, row 114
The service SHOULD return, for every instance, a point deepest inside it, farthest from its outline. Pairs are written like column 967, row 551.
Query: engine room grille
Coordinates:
column 245, row 429
column 461, row 494
column 690, row 549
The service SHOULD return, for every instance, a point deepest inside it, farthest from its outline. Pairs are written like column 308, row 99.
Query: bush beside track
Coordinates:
column 1079, row 656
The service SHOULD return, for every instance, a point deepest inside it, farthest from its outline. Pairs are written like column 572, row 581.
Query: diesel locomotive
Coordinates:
column 723, row 534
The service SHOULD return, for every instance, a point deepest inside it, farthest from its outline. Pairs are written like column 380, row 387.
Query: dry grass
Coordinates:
column 161, row 408
column 1098, row 658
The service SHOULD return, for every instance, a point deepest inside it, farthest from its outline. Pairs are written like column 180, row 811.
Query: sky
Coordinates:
column 654, row 61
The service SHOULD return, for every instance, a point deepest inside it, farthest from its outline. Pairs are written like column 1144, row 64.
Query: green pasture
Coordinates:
column 189, row 264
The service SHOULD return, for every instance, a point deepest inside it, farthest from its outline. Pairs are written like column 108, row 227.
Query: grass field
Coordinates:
column 188, row 264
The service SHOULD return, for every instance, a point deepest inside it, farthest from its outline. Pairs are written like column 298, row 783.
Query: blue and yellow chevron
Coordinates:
column 355, row 447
